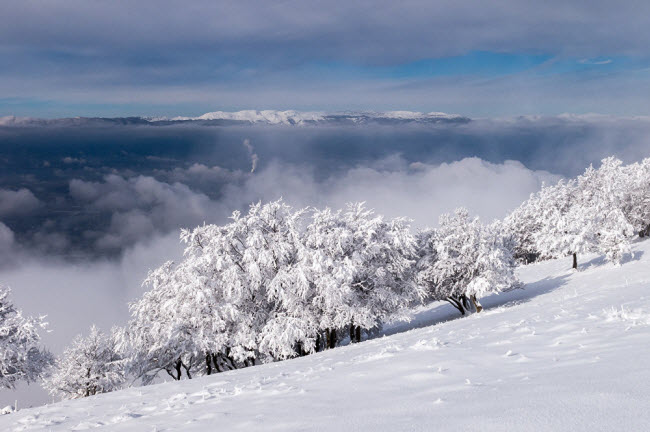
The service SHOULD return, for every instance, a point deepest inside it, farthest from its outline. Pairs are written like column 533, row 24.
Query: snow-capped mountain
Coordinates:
column 270, row 117
column 292, row 117
column 566, row 352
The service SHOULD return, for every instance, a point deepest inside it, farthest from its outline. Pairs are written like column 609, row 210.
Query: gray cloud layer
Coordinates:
column 370, row 31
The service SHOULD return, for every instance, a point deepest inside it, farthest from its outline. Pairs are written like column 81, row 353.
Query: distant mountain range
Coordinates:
column 271, row 117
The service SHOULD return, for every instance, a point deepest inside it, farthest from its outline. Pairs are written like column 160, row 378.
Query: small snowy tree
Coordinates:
column 463, row 260
column 91, row 365
column 20, row 356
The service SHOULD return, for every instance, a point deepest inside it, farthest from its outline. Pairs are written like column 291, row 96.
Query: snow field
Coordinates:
column 568, row 352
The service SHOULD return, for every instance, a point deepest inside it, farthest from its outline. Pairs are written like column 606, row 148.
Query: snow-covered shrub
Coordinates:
column 91, row 365
column 20, row 356
column 463, row 260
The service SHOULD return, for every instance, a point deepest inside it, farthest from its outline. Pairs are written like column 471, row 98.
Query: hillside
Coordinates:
column 568, row 352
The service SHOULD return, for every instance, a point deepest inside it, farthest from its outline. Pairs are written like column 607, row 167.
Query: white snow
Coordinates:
column 412, row 115
column 567, row 352
column 264, row 116
column 292, row 117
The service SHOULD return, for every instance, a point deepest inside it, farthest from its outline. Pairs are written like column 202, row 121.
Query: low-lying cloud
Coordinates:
column 394, row 187
column 18, row 202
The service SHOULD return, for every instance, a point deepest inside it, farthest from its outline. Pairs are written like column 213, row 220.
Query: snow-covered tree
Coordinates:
column 587, row 215
column 360, row 269
column 599, row 211
column 637, row 205
column 463, row 260
column 254, row 262
column 91, row 365
column 20, row 356
column 165, row 331
column 234, row 299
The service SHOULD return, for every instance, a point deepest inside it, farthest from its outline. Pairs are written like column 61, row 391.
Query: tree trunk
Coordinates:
column 477, row 305
column 465, row 301
column 208, row 364
column 178, row 369
column 215, row 361
column 352, row 338
column 575, row 260
column 332, row 338
column 318, row 341
column 358, row 333
column 457, row 304
column 645, row 232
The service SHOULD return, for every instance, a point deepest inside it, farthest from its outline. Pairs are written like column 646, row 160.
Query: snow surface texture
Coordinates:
column 568, row 352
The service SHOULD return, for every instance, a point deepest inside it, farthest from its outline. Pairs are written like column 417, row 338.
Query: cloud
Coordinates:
column 366, row 30
column 139, row 208
column 201, row 176
column 142, row 180
column 16, row 203
column 394, row 188
column 71, row 160
column 6, row 241
column 156, row 57
column 596, row 62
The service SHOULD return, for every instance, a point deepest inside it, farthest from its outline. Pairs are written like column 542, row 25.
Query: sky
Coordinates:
column 476, row 58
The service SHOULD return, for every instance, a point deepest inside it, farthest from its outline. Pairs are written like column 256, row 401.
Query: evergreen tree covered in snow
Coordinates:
column 20, row 356
column 91, row 365
column 463, row 260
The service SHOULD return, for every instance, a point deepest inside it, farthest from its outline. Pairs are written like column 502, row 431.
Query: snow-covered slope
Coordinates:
column 568, row 352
